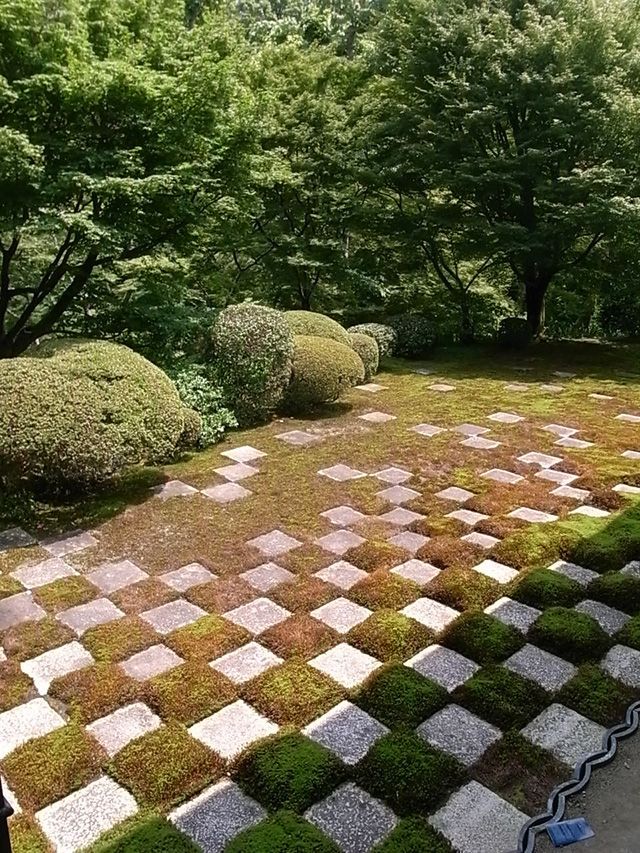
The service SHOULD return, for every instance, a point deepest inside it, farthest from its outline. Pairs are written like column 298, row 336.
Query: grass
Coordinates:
column 544, row 588
column 399, row 696
column 502, row 697
column 188, row 693
column 570, row 634
column 617, row 590
column 630, row 634
column 15, row 686
column 596, row 695
column 375, row 555
column 384, row 590
column 142, row 596
column 293, row 693
column 464, row 589
column 299, row 636
column 414, row 835
column 64, row 593
column 30, row 639
column 390, row 636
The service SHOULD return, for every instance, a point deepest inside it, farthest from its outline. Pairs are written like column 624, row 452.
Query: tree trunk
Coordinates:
column 534, row 293
column 466, row 326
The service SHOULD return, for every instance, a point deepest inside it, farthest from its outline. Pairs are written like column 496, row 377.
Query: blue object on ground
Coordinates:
column 569, row 832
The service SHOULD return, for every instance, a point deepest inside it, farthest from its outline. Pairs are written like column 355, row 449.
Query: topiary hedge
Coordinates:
column 385, row 336
column 570, row 634
column 322, row 370
column 367, row 349
column 253, row 351
column 319, row 325
column 416, row 335
column 514, row 333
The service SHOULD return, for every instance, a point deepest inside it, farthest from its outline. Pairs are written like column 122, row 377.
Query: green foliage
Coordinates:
column 282, row 832
column 151, row 833
column 544, row 588
column 570, row 634
column 414, row 835
column 482, row 638
column 630, row 634
column 318, row 325
column 502, row 697
column 388, row 635
column 322, row 370
column 290, row 772
column 367, row 349
column 597, row 696
column 201, row 394
column 253, row 350
column 411, row 776
column 617, row 590
column 384, row 335
column 416, row 335
column 515, row 333
column 400, row 696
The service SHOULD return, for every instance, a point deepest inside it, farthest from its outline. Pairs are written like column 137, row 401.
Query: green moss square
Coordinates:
column 630, row 634
column 414, row 835
column 617, row 590
column 30, row 639
column 9, row 586
column 293, row 693
column 383, row 590
column 64, row 593
column 290, row 772
column 27, row 837
column 544, row 588
column 596, row 695
column 165, row 767
column 283, row 832
column 95, row 691
column 375, row 555
column 400, row 696
column 189, row 693
column 502, row 697
column 390, row 636
column 118, row 640
column 570, row 634
column 482, row 638
column 207, row 638
column 15, row 686
column 464, row 589
column 410, row 775
column 146, row 835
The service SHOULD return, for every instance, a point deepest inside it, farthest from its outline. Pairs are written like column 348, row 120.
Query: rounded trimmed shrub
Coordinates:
column 367, row 349
column 416, row 335
column 544, row 588
column 253, row 352
column 482, row 638
column 322, row 370
column 570, row 634
column 514, row 333
column 399, row 697
column 502, row 697
column 385, row 336
column 318, row 325
column 617, row 590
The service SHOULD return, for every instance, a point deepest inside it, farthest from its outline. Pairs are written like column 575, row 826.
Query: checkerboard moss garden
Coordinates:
column 235, row 679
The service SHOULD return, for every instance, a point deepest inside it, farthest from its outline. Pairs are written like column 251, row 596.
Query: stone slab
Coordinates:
column 547, row 670
column 416, row 570
column 482, row 540
column 427, row 430
column 267, row 576
column 393, row 475
column 631, row 454
column 371, row 387
column 460, row 733
column 377, row 417
column 505, row 417
column 182, row 579
column 116, row 730
column 442, row 387
column 342, row 574
column 632, row 568
column 231, row 730
column 467, row 516
column 258, row 615
column 543, row 460
column 401, row 516
column 15, row 537
column 631, row 419
column 245, row 663
column 151, row 662
column 560, row 477
column 341, row 614
column 24, row 722
column 274, row 544
column 346, row 730
column 575, row 443
column 470, row 429
column 236, row 472
column 590, row 511
column 479, row 442
column 454, row 493
column 353, row 819
column 626, row 489
column 172, row 615
column 227, row 493
column 571, row 492
column 447, row 668
column 566, row 734
column 60, row 546
column 432, row 614
column 496, row 571
column 340, row 541
column 559, row 430
column 514, row 613
column 398, row 494
column 174, row 489
column 533, row 516
column 245, row 454
column 90, row 615
column 298, row 438
column 110, row 577
column 346, row 665
column 19, row 608
column 411, row 542
column 343, row 516
column 499, row 475
column 623, row 663
column 42, row 573
column 55, row 663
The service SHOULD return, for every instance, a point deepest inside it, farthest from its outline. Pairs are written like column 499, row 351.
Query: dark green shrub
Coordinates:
column 252, row 351
column 570, row 634
column 414, row 835
column 152, row 834
column 322, row 370
column 400, row 696
column 416, row 335
column 514, row 333
column 317, row 325
column 385, row 336
column 502, row 697
column 282, row 832
column 290, row 772
column 367, row 349
column 596, row 695
column 630, row 634
column 617, row 590
column 410, row 775
column 205, row 401
column 544, row 588
column 482, row 638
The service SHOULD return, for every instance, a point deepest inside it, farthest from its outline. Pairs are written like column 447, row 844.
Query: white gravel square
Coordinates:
column 110, row 577
column 348, row 731
column 545, row 669
column 267, row 576
column 564, row 733
column 459, row 733
column 90, row 615
column 40, row 574
column 609, row 619
column 342, row 574
column 346, row 665
column 341, row 614
column 24, row 722
column 173, row 615
column 417, row 571
column 55, row 663
column 497, row 571
column 340, row 541
column 623, row 663
column 353, row 819
column 232, row 729
column 432, row 614
column 116, row 730
column 258, row 615
column 187, row 576
column 447, row 668
column 245, row 663
column 514, row 613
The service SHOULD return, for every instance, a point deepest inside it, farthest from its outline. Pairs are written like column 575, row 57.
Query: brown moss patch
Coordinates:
column 30, row 639
column 221, row 595
column 207, row 638
column 445, row 552
column 309, row 558
column 464, row 589
column 500, row 526
column 497, row 502
column 431, row 527
column 142, row 596
column 189, row 693
column 26, row 835
column 48, row 768
column 374, row 528
column 383, row 590
column 95, row 691
column 116, row 641
column 293, row 693
column 606, row 499
column 299, row 636
column 304, row 594
column 374, row 555
column 166, row 766
column 9, row 586
column 390, row 636
column 15, row 686
column 64, row 593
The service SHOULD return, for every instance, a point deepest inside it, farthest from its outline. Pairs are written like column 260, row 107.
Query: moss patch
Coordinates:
column 30, row 639
column 138, row 597
column 374, row 555
column 482, row 638
column 27, row 837
column 569, row 634
column 304, row 594
column 146, row 835
column 630, row 634
column 399, row 696
column 95, row 691
column 64, row 593
column 414, row 835
column 221, row 595
column 207, row 638
column 293, row 693
column 536, row 546
column 544, row 588
column 449, row 552
column 299, row 636
column 116, row 641
column 502, row 697
column 596, row 695
column 390, row 636
column 617, row 590
column 384, row 590
column 9, row 586
column 15, row 686
column 283, row 832
column 189, row 693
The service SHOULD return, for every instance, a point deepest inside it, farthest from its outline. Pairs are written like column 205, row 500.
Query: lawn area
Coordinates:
column 392, row 627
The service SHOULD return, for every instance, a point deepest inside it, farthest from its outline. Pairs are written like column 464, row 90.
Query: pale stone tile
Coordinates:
column 346, row 665
column 342, row 574
column 341, row 614
column 245, row 663
column 417, row 571
column 60, row 546
column 575, row 573
column 459, row 733
column 346, row 730
column 483, row 540
column 110, row 577
column 428, row 430
column 227, row 493
column 172, row 615
column 514, row 613
column 353, row 819
column 55, row 663
column 40, row 574
column 231, row 730
column 547, row 670
column 566, row 734
column 116, row 730
column 454, row 493
column 534, row 516
column 274, row 544
column 432, row 614
column 258, row 615
column 19, row 608
column 609, row 619
column 341, row 473
column 245, row 454
column 24, row 722
column 267, row 576
column 90, row 615
column 447, row 668
column 340, row 541
column 467, row 516
column 343, row 516
column 411, row 542
column 499, row 475
column 187, row 576
column 151, row 662
column 174, row 489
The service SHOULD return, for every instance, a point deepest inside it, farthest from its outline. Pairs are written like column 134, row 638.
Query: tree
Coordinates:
column 518, row 119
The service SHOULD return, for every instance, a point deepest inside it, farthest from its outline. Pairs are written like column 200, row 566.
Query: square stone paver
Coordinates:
column 40, row 574
column 348, row 731
column 505, row 417
column 341, row 473
column 467, row 516
column 151, row 662
column 483, row 540
column 476, row 820
column 217, row 815
column 392, row 475
column 432, row 614
column 626, row 489
column 226, row 493
column 573, row 572
column 245, row 663
column 544, row 460
column 372, row 387
column 534, row 516
column 631, row 419
column 81, row 818
column 499, row 475
column 94, row 613
column 460, row 733
column 479, row 442
column 454, row 493
column 550, row 388
column 15, row 537
column 245, row 454
column 172, row 615
column 631, row 454
column 232, row 729
column 340, row 541
column 60, row 546
column 274, row 544
column 110, row 577
column 55, row 663
column 298, row 438
column 545, row 669
column 447, row 668
column 565, row 734
column 19, row 608
column 267, row 576
column 398, row 494
column 416, row 570
column 342, row 574
column 377, row 417
column 24, row 722
column 516, row 387
column 559, row 430
column 174, row 489
column 590, row 511
column 343, row 516
column 341, row 614
column 442, row 387
column 623, row 663
column 258, row 615
column 411, row 542
column 470, row 429
column 562, row 478
column 401, row 516
column 428, row 430
column 346, row 665
column 514, row 613
column 609, row 619
column 236, row 472
column 353, row 819
column 576, row 443
column 571, row 492
column 602, row 397
column 116, row 730
column 187, row 576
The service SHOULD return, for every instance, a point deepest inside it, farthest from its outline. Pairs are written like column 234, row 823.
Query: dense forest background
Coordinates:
column 467, row 160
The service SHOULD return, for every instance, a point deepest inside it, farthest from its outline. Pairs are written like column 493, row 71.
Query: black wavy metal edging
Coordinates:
column 557, row 800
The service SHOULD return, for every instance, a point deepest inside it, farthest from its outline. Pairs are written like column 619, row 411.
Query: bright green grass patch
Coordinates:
column 617, row 590
column 283, row 832
column 390, row 636
column 502, row 697
column 293, row 693
column 400, row 696
column 544, row 588
column 606, row 544
column 596, row 695
column 570, row 634
column 482, row 638
column 150, row 835
column 414, row 835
